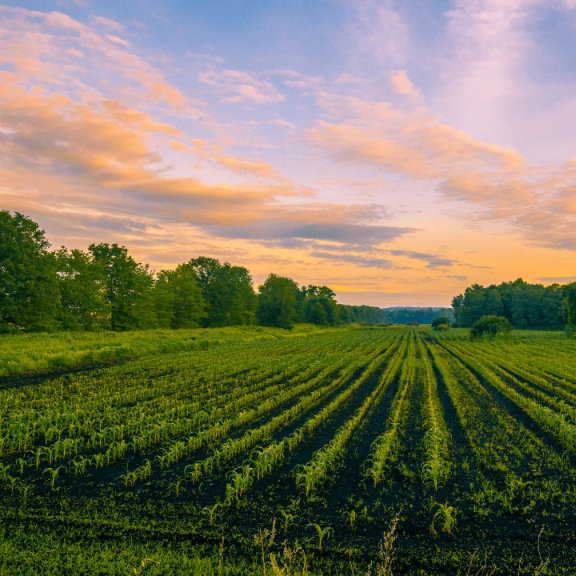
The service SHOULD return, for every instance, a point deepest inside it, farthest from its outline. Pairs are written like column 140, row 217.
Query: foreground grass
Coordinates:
column 20, row 353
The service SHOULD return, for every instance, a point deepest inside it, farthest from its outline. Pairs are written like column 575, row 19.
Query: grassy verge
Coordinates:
column 21, row 353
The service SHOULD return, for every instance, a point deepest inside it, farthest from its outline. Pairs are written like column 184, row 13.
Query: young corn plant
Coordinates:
column 53, row 475
column 446, row 516
column 321, row 533
column 176, row 487
column 210, row 511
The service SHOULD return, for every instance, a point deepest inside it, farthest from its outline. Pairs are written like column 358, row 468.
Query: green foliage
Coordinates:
column 524, row 305
column 84, row 305
column 490, row 326
column 128, row 287
column 441, row 323
column 278, row 302
column 227, row 291
column 178, row 301
column 29, row 295
column 357, row 314
column 571, row 310
column 419, row 315
column 321, row 310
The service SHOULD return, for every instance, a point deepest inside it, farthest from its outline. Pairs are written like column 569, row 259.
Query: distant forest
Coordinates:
column 420, row 315
column 105, row 288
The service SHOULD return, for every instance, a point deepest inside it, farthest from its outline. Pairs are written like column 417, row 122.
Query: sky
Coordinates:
column 396, row 152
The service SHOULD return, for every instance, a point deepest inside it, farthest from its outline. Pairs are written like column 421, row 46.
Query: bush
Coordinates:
column 490, row 325
column 441, row 323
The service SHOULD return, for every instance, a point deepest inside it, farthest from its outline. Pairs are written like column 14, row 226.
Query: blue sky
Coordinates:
column 396, row 152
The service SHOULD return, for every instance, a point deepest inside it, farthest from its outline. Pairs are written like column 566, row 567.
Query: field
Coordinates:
column 185, row 462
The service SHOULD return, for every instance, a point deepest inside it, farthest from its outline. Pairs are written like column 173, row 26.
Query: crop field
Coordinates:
column 322, row 453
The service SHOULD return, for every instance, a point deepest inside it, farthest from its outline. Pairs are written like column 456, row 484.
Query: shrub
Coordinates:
column 490, row 325
column 441, row 323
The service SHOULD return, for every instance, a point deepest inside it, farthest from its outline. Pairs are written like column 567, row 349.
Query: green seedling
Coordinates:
column 446, row 515
column 210, row 511
column 351, row 517
column 321, row 533
column 287, row 519
column 53, row 475
column 176, row 487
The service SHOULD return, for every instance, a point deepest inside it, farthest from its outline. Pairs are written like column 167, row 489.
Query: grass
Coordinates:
column 22, row 353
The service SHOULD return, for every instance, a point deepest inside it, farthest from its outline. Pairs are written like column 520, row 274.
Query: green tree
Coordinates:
column 571, row 311
column 227, row 291
column 344, row 316
column 83, row 296
column 178, row 299
column 29, row 291
column 278, row 302
column 316, row 313
column 494, row 305
column 128, row 287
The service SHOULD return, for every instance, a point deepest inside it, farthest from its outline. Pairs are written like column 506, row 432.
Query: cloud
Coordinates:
column 433, row 261
column 402, row 85
column 359, row 261
column 491, row 183
column 282, row 122
column 380, row 32
column 108, row 23
column 117, row 40
column 305, row 226
column 94, row 163
column 70, row 57
column 243, row 86
column 556, row 279
column 217, row 155
column 460, row 278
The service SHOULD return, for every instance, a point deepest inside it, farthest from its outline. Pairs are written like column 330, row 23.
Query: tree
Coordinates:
column 524, row 305
column 128, row 287
column 571, row 311
column 319, row 305
column 441, row 323
column 84, row 305
column 344, row 316
column 227, row 291
column 277, row 302
column 178, row 299
column 316, row 313
column 490, row 325
column 29, row 292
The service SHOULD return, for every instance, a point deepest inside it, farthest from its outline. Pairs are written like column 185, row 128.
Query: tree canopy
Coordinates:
column 29, row 293
column 227, row 291
column 523, row 305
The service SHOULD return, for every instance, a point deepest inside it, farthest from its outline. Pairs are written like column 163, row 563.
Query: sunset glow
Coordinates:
column 396, row 152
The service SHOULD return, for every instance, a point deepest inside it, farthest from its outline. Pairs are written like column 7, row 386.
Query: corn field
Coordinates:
column 326, row 436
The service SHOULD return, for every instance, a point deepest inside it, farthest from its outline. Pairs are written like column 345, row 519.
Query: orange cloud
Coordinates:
column 497, row 184
column 51, row 47
column 402, row 84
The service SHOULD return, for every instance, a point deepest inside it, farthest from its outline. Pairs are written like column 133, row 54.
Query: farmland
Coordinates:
column 172, row 463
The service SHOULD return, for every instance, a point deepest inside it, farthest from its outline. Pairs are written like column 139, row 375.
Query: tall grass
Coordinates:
column 22, row 353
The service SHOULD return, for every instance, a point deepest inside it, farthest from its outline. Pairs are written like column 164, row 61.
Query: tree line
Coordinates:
column 524, row 305
column 416, row 315
column 106, row 288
